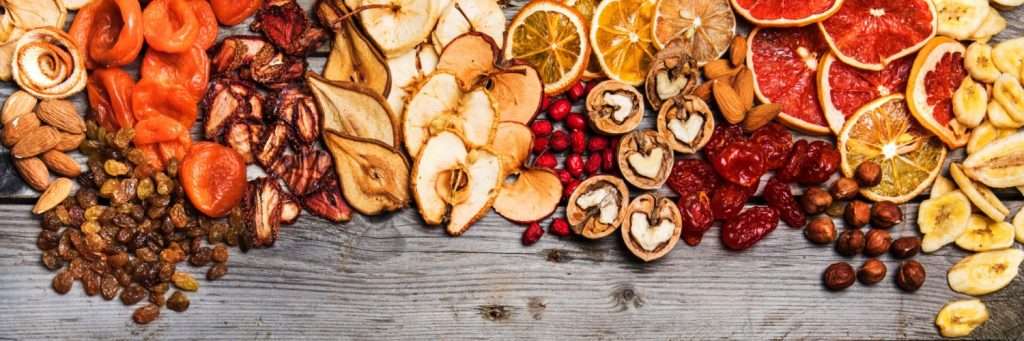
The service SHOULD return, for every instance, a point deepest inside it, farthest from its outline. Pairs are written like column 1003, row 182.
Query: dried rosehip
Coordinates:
column 541, row 128
column 540, row 144
column 695, row 209
column 576, row 121
column 794, row 162
column 559, row 109
column 724, row 135
column 689, row 175
column 577, row 91
column 727, row 201
column 593, row 164
column 578, row 141
column 740, row 162
column 775, row 142
column 749, row 227
column 532, row 234
column 822, row 161
column 559, row 227
column 563, row 176
column 559, row 141
column 546, row 160
column 780, row 197
column 574, row 164
column 597, row 143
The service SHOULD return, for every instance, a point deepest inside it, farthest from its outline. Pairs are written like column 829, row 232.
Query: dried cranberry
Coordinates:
column 546, row 160
column 608, row 160
column 727, row 201
column 749, row 227
column 559, row 141
column 559, row 109
column 822, row 161
column 577, row 91
column 780, row 197
column 574, row 164
column 559, row 227
column 597, row 143
column 593, row 164
column 545, row 103
column 695, row 209
column 569, row 188
column 740, row 162
column 532, row 234
column 563, row 176
column 794, row 162
column 775, row 142
column 723, row 136
column 690, row 175
column 576, row 121
column 541, row 128
column 540, row 144
column 578, row 141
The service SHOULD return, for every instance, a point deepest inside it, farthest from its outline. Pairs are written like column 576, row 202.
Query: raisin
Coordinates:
column 697, row 217
column 109, row 287
column 91, row 283
column 693, row 175
column 723, row 136
column 780, row 197
column 134, row 293
column 728, row 200
column 740, row 163
column 822, row 161
column 62, row 282
column 216, row 271
column 775, row 142
column 146, row 314
column 749, row 227
column 794, row 162
column 178, row 302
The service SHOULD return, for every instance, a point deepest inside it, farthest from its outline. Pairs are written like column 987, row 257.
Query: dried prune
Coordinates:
column 749, row 227
column 728, row 200
column 740, row 162
column 780, row 197
column 723, row 136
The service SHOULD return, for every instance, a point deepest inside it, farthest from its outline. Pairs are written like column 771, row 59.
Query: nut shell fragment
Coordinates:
column 660, row 225
column 586, row 221
column 614, row 107
column 687, row 123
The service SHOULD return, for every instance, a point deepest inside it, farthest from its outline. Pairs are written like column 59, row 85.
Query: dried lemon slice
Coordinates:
column 552, row 38
column 621, row 37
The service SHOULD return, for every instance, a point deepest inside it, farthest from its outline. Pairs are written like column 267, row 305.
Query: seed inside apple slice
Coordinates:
column 484, row 177
column 532, row 195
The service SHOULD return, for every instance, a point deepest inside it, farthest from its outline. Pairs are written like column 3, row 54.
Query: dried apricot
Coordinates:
column 213, row 177
column 233, row 12
column 189, row 69
column 170, row 25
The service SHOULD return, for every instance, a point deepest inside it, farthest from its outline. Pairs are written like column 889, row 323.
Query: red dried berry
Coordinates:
column 597, row 143
column 779, row 196
column 532, row 234
column 577, row 91
column 591, row 85
column 727, row 201
column 569, row 188
column 749, row 227
column 690, row 175
column 563, row 176
column 740, row 163
column 541, row 128
column 574, row 164
column 540, row 144
column 546, row 160
column 578, row 140
column 576, row 122
column 695, row 209
column 559, row 141
column 545, row 103
column 593, row 164
column 559, row 227
column 608, row 160
column 794, row 161
column 723, row 136
column 775, row 142
column 822, row 161
column 559, row 109
column 692, row 239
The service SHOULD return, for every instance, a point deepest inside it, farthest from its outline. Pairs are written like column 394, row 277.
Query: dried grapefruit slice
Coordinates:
column 552, row 38
column 883, row 131
column 937, row 73
column 842, row 89
column 785, row 66
column 869, row 34
column 706, row 27
column 786, row 13
column 621, row 37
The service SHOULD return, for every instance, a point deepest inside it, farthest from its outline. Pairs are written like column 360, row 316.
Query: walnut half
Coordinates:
column 651, row 227
column 645, row 159
column 597, row 206
column 615, row 108
column 687, row 123
column 673, row 73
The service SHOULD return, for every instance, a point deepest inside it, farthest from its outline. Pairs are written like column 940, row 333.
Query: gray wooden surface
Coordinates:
column 390, row 277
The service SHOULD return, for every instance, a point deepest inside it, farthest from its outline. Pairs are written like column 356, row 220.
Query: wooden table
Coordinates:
column 391, row 277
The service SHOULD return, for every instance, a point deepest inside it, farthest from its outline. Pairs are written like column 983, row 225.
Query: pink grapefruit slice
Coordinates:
column 786, row 13
column 937, row 73
column 869, row 34
column 842, row 89
column 785, row 66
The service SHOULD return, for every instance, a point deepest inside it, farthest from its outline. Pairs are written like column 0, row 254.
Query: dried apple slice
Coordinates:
column 512, row 143
column 353, row 57
column 484, row 174
column 449, row 179
column 398, row 25
column 446, row 151
column 463, row 16
column 406, row 70
column 374, row 176
column 478, row 116
column 519, row 92
column 437, row 94
column 351, row 109
column 531, row 196
column 469, row 57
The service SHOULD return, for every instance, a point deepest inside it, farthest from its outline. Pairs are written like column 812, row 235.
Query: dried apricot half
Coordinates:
column 213, row 177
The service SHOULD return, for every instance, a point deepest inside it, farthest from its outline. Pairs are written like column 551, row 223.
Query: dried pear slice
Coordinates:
column 484, row 179
column 354, row 110
column 446, row 151
column 374, row 176
column 353, row 57
column 470, row 56
column 533, row 195
column 519, row 92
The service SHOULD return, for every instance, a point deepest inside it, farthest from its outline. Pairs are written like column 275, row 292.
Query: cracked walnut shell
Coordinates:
column 645, row 159
column 614, row 107
column 651, row 227
column 687, row 123
column 597, row 206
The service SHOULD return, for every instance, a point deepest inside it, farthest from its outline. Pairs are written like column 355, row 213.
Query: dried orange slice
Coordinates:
column 785, row 66
column 937, row 73
column 842, row 89
column 869, row 34
column 552, row 38
column 706, row 27
column 786, row 13
column 884, row 132
column 586, row 9
column 621, row 37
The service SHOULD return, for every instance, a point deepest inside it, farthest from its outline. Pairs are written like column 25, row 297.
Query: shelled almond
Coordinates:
column 38, row 135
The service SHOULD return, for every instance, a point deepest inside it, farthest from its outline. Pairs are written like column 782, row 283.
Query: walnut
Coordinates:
column 651, row 227
column 687, row 123
column 645, row 159
column 597, row 206
column 614, row 107
column 673, row 73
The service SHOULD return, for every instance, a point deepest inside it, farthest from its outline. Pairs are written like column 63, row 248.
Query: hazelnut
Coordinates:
column 885, row 214
column 821, row 230
column 815, row 200
column 839, row 276
column 877, row 242
column 906, row 247
column 850, row 242
column 857, row 214
column 873, row 271
column 844, row 189
column 910, row 276
column 868, row 174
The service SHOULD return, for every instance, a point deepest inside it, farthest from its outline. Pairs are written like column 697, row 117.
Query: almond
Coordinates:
column 69, row 142
column 53, row 196
column 760, row 115
column 744, row 86
column 704, row 91
column 62, row 115
column 61, row 163
column 738, row 51
column 728, row 102
column 718, row 68
column 19, row 127
column 35, row 142
column 19, row 103
column 33, row 172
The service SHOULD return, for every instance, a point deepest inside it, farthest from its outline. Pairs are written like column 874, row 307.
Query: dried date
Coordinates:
column 749, row 227
column 780, row 197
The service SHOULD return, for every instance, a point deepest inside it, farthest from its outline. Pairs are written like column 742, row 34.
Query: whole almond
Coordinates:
column 69, row 142
column 33, row 172
column 718, row 68
column 760, row 115
column 744, row 86
column 36, row 142
column 728, row 102
column 19, row 127
column 61, row 163
column 62, row 115
column 19, row 103
column 704, row 91
column 738, row 51
column 53, row 196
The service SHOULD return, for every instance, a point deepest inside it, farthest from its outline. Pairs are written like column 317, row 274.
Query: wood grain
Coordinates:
column 390, row 277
